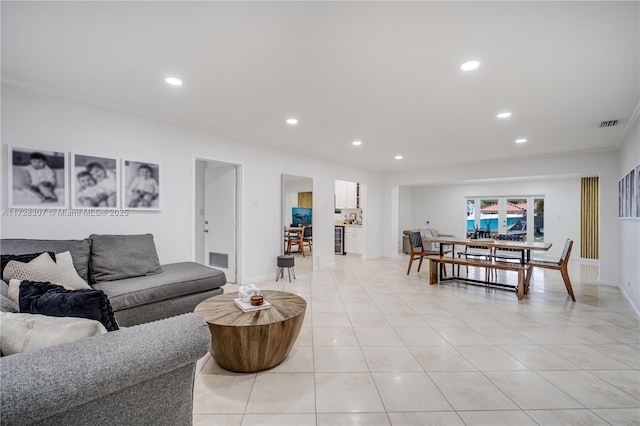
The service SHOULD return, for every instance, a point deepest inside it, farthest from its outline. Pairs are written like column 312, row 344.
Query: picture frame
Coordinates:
column 637, row 192
column 95, row 182
column 629, row 195
column 37, row 178
column 141, row 185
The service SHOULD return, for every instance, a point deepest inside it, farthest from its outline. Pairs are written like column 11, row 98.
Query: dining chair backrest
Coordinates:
column 416, row 240
column 566, row 252
column 308, row 231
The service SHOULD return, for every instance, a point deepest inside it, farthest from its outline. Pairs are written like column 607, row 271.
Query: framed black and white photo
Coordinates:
column 38, row 178
column 95, row 182
column 632, row 193
column 141, row 185
column 638, row 191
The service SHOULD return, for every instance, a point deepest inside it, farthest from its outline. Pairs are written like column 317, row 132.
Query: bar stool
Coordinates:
column 285, row 261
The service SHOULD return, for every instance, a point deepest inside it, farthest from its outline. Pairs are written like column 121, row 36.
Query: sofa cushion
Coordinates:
column 115, row 257
column 28, row 332
column 43, row 268
column 80, row 250
column 54, row 300
column 6, row 304
column 24, row 258
column 176, row 280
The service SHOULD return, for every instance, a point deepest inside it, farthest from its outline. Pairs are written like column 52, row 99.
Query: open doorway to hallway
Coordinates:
column 216, row 215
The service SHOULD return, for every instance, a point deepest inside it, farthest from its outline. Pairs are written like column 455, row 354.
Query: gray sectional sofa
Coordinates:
column 136, row 376
column 142, row 374
column 126, row 269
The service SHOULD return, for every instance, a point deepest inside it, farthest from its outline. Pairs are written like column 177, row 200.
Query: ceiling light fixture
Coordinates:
column 504, row 115
column 356, row 143
column 173, row 81
column 469, row 65
column 521, row 140
column 398, row 157
column 292, row 121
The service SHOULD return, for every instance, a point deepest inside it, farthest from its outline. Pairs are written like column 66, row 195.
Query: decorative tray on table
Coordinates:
column 248, row 307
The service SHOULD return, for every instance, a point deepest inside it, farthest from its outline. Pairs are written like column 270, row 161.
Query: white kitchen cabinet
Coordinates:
column 346, row 195
column 354, row 240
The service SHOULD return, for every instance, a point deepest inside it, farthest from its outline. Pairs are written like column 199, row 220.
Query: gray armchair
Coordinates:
column 141, row 375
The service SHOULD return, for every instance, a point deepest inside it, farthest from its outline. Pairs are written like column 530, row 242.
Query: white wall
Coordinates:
column 38, row 120
column 531, row 172
column 445, row 207
column 630, row 228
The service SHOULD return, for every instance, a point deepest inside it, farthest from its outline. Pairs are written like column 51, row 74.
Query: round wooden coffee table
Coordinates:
column 252, row 341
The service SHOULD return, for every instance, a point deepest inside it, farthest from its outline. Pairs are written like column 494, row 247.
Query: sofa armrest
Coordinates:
column 77, row 381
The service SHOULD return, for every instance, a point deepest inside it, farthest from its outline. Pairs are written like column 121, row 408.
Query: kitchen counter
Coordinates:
column 348, row 225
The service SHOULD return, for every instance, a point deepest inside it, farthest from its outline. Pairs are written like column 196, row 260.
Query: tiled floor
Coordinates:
column 379, row 347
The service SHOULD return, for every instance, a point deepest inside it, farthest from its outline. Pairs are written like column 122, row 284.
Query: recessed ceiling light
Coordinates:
column 504, row 115
column 398, row 157
column 173, row 81
column 469, row 65
column 292, row 121
column 521, row 140
column 356, row 143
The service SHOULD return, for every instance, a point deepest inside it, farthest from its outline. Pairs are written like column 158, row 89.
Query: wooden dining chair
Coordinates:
column 560, row 265
column 417, row 250
column 295, row 238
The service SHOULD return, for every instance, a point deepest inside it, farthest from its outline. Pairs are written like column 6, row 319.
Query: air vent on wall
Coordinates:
column 609, row 123
column 219, row 260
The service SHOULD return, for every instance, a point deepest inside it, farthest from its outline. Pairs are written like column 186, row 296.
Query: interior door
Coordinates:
column 220, row 212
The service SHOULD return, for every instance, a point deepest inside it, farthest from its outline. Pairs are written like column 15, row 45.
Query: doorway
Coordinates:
column 216, row 215
column 297, row 210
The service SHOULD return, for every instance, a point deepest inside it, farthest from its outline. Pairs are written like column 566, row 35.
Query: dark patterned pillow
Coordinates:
column 24, row 258
column 54, row 300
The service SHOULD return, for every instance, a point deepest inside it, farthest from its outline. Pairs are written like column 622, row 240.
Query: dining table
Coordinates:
column 448, row 244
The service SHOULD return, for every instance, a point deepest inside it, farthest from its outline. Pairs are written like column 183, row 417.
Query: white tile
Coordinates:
column 490, row 358
column 368, row 319
column 627, row 354
column 620, row 416
column 353, row 419
column 496, row 418
column 585, row 357
column 221, row 394
column 370, row 336
column 346, row 393
column 626, row 380
column 565, row 417
column 530, row 391
column 538, row 357
column 435, row 418
column 330, row 319
column 382, row 359
column 589, row 390
column 463, row 335
column 282, row 393
column 471, row 391
column 441, row 358
column 409, row 392
column 217, row 419
column 279, row 420
column 341, row 336
column 420, row 336
column 339, row 359
column 299, row 360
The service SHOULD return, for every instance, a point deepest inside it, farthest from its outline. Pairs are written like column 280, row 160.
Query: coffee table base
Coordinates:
column 254, row 348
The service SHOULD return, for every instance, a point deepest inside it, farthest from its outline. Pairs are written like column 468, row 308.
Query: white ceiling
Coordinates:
column 383, row 72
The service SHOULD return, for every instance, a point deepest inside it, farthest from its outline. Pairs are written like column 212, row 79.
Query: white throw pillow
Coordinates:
column 27, row 332
column 44, row 269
